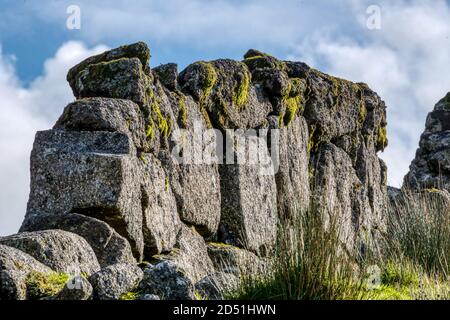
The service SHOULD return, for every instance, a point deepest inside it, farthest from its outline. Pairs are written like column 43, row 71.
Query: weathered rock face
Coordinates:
column 249, row 208
column 292, row 178
column 135, row 159
column 431, row 166
column 168, row 282
column 91, row 173
column 113, row 281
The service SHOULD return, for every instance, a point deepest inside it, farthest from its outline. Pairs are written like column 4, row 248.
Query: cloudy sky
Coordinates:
column 407, row 60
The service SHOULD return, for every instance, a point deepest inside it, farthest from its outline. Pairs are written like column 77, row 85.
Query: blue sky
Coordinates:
column 407, row 61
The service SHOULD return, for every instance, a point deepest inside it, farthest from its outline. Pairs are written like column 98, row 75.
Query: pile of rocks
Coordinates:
column 111, row 204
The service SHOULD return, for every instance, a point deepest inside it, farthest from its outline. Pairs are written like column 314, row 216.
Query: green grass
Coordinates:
column 310, row 264
column 419, row 231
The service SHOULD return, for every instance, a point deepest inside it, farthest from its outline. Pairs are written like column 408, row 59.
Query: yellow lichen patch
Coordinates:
column 362, row 115
column 292, row 101
column 149, row 132
column 41, row 285
column 292, row 106
column 143, row 159
column 167, row 184
column 312, row 129
column 163, row 127
column 241, row 91
column 132, row 295
column 209, row 81
column 182, row 110
column 382, row 138
column 264, row 61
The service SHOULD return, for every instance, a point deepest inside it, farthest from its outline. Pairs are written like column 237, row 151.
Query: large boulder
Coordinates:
column 109, row 247
column 197, row 192
column 112, row 282
column 351, row 206
column 190, row 255
column 168, row 75
column 136, row 50
column 105, row 114
column 90, row 173
column 122, row 78
column 13, row 285
column 15, row 265
column 217, row 286
column 59, row 250
column 223, row 88
column 168, row 282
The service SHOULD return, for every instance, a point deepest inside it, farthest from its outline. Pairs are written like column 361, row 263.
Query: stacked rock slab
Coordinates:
column 431, row 166
column 134, row 159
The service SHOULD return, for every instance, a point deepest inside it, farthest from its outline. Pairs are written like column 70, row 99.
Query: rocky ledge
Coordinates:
column 113, row 212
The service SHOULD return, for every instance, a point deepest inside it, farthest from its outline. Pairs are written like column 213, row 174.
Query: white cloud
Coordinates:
column 198, row 23
column 407, row 62
column 23, row 112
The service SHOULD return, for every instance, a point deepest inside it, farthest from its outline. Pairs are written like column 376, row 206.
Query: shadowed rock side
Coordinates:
column 431, row 166
column 110, row 165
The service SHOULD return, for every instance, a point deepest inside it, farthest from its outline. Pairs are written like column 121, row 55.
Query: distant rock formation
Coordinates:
column 109, row 174
column 431, row 166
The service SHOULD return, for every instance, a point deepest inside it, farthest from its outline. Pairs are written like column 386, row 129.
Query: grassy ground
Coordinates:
column 412, row 263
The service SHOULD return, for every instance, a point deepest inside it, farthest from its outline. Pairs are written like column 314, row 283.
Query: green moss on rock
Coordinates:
column 241, row 91
column 382, row 140
column 183, row 111
column 42, row 285
column 292, row 101
column 129, row 296
column 265, row 61
column 209, row 81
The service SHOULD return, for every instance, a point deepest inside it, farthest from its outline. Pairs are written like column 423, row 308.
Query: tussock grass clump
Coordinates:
column 418, row 231
column 311, row 263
